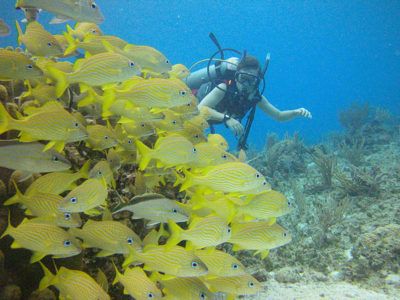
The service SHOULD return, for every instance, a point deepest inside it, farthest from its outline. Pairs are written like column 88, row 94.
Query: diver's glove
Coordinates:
column 235, row 126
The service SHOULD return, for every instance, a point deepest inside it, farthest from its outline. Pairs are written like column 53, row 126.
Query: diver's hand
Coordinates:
column 235, row 126
column 303, row 113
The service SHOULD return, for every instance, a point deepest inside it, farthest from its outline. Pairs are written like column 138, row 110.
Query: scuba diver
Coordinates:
column 230, row 89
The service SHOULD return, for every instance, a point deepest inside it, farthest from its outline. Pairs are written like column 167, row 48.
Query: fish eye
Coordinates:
column 129, row 240
column 194, row 150
column 251, row 284
column 285, row 234
column 94, row 5
column 142, row 124
column 67, row 243
column 73, row 200
column 174, row 210
column 264, row 183
column 99, row 173
column 229, row 230
column 174, row 122
column 189, row 104
column 224, row 156
column 49, row 44
column 289, row 203
column 129, row 141
column 202, row 296
column 29, row 67
column 76, row 124
column 150, row 296
column 55, row 158
column 182, row 93
column 194, row 264
column 258, row 175
column 167, row 61
column 94, row 31
column 131, row 64
column 67, row 216
column 235, row 266
column 196, row 136
column 106, row 137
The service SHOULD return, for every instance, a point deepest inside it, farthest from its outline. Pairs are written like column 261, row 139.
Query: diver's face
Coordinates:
column 247, row 80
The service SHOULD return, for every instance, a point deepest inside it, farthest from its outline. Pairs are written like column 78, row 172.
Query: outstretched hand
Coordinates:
column 235, row 126
column 304, row 113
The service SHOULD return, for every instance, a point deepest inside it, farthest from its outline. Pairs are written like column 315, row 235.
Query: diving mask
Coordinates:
column 247, row 79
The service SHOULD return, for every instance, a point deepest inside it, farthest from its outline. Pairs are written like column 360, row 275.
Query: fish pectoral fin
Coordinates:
column 104, row 253
column 37, row 256
column 236, row 248
column 25, row 137
column 56, row 145
column 16, row 245
column 59, row 19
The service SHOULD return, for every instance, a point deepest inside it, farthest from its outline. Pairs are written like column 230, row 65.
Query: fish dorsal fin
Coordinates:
column 147, row 196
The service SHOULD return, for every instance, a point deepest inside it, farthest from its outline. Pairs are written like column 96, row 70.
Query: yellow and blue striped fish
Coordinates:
column 17, row 66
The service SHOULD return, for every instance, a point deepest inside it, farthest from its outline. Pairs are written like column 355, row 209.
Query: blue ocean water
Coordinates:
column 324, row 54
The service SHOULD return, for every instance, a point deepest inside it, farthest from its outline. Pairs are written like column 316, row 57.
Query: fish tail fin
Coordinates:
column 9, row 227
column 187, row 182
column 72, row 43
column 117, row 273
column 84, row 170
column 20, row 34
column 47, row 279
column 145, row 154
column 5, row 119
column 61, row 80
column 16, row 198
column 109, row 97
column 130, row 258
column 175, row 236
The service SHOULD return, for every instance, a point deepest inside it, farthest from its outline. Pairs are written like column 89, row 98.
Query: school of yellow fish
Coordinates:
column 128, row 104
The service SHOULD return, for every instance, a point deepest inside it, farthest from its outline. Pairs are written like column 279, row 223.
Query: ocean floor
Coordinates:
column 318, row 290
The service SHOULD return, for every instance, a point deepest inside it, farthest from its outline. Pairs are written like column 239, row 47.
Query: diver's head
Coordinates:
column 248, row 74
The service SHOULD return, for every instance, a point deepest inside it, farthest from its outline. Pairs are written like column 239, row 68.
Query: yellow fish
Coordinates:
column 45, row 205
column 111, row 236
column 42, row 93
column 210, row 155
column 155, row 92
column 156, row 208
column 93, row 44
column 90, row 194
column 202, row 232
column 4, row 28
column 57, row 182
column 101, row 137
column 218, row 141
column 139, row 129
column 185, row 288
column 30, row 157
column 81, row 11
column 175, row 261
column 137, row 284
column 73, row 284
column 17, row 66
column 233, row 285
column 38, row 41
column 266, row 205
column 179, row 71
column 97, row 70
column 260, row 236
column 113, row 159
column 172, row 150
column 103, row 170
column 49, row 122
column 82, row 29
column 43, row 238
column 148, row 58
column 228, row 177
column 220, row 263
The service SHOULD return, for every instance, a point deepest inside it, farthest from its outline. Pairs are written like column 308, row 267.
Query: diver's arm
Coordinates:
column 211, row 101
column 284, row 115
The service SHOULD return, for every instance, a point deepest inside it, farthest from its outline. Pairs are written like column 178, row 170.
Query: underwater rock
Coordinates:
column 288, row 275
column 376, row 251
column 45, row 294
column 393, row 279
column 11, row 292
